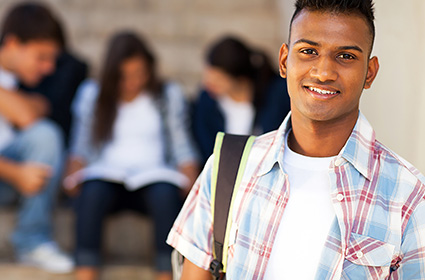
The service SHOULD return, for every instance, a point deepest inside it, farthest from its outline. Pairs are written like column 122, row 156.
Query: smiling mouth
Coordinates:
column 322, row 91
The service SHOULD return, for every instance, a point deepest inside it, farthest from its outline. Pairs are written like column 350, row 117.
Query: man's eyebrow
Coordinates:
column 346, row 48
column 343, row 48
column 307, row 42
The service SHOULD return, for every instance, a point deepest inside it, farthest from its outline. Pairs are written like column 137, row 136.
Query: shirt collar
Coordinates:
column 358, row 150
column 274, row 154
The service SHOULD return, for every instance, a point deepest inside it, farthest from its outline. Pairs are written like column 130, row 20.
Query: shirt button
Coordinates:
column 359, row 254
column 340, row 197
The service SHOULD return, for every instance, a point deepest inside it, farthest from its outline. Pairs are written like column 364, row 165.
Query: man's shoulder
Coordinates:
column 265, row 141
column 264, row 153
column 395, row 168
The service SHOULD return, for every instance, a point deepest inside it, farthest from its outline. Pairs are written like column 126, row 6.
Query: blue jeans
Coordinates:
column 42, row 143
column 98, row 199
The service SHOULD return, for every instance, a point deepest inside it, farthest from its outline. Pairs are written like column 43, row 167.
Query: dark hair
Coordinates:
column 363, row 8
column 32, row 21
column 235, row 58
column 122, row 46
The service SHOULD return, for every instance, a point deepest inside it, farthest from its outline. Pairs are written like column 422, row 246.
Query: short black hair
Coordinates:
column 364, row 8
column 233, row 56
column 31, row 21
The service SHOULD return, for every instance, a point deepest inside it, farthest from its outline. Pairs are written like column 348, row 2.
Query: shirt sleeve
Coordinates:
column 182, row 145
column 191, row 234
column 82, row 110
column 412, row 259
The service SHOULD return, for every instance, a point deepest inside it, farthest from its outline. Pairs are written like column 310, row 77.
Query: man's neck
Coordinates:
column 319, row 138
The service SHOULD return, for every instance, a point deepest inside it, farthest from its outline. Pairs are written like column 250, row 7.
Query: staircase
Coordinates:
column 128, row 247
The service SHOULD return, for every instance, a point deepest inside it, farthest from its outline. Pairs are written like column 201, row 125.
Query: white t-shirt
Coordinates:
column 8, row 81
column 137, row 139
column 238, row 116
column 306, row 220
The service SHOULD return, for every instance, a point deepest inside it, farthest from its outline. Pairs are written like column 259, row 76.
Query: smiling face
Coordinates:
column 327, row 65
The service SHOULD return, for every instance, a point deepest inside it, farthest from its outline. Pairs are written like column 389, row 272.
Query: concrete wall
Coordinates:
column 179, row 30
column 395, row 104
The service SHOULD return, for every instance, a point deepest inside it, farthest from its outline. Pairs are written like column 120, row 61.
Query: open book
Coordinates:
column 131, row 180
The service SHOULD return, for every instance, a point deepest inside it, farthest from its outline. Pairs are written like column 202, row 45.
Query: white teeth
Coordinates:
column 321, row 91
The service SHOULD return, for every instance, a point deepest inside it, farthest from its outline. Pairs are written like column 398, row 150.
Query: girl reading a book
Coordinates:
column 130, row 150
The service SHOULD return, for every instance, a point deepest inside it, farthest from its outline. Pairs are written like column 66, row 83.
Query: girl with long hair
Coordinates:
column 130, row 150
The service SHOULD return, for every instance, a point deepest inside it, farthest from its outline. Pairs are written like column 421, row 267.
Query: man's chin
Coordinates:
column 31, row 82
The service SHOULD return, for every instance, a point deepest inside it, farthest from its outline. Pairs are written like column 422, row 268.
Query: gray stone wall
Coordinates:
column 178, row 30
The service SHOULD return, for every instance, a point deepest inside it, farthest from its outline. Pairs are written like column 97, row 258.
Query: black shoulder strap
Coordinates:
column 230, row 156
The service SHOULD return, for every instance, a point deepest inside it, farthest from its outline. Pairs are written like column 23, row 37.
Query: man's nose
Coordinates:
column 49, row 67
column 324, row 70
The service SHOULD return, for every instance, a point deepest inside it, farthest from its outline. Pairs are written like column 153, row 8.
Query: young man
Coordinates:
column 60, row 87
column 320, row 198
column 30, row 147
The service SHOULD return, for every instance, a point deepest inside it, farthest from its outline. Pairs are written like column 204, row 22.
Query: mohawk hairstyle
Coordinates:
column 363, row 8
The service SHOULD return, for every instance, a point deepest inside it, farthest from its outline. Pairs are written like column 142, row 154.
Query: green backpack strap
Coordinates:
column 230, row 156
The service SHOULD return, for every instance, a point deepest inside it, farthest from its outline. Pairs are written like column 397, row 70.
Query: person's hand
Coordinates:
column 39, row 103
column 22, row 109
column 72, row 185
column 72, row 181
column 32, row 177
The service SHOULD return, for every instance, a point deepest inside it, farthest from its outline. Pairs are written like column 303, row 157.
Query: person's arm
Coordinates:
column 28, row 178
column 71, row 182
column 20, row 109
column 178, row 122
column 80, row 143
column 193, row 272
column 191, row 233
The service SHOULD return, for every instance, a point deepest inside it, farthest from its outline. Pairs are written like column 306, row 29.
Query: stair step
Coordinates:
column 10, row 271
column 127, row 237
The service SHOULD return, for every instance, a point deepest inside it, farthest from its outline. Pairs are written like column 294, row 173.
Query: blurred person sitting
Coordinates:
column 242, row 94
column 59, row 88
column 30, row 146
column 130, row 149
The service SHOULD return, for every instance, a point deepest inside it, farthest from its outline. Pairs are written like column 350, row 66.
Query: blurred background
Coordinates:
column 180, row 30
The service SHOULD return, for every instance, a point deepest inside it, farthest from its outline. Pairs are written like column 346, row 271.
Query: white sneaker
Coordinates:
column 48, row 256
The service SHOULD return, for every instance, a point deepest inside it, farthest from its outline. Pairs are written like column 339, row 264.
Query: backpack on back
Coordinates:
column 230, row 157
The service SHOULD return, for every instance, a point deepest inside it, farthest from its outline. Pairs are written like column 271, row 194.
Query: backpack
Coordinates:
column 230, row 157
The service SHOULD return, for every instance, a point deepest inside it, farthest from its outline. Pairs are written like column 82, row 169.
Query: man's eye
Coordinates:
column 308, row 51
column 346, row 56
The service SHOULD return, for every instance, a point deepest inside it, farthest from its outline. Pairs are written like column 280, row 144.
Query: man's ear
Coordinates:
column 372, row 71
column 283, row 56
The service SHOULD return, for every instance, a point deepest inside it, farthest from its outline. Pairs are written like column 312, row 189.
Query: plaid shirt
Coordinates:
column 379, row 200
